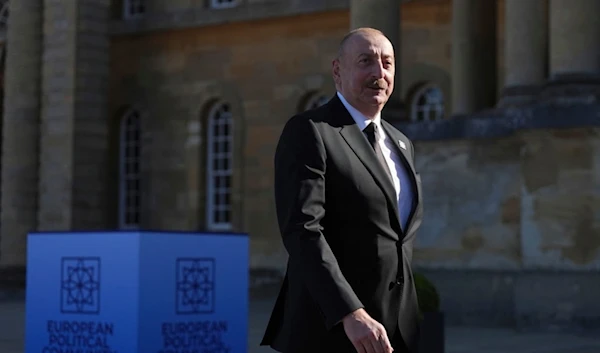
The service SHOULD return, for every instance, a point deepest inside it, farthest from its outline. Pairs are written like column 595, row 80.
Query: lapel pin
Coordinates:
column 402, row 144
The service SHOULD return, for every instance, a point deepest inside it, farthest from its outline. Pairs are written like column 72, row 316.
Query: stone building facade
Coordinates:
column 164, row 115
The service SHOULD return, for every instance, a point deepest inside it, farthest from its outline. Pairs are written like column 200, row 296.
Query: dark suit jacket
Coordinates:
column 338, row 217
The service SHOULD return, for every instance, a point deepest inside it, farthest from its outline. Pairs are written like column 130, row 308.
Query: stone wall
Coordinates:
column 510, row 234
column 472, row 203
column 426, row 26
column 510, row 231
column 527, row 200
column 74, row 144
column 508, row 237
column 20, row 128
column 265, row 69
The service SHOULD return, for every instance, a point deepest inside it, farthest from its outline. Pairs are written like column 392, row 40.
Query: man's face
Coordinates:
column 364, row 73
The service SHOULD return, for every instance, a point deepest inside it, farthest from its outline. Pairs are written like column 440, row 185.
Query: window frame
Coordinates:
column 124, row 192
column 415, row 109
column 212, row 223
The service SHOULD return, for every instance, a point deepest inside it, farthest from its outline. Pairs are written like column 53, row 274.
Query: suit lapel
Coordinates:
column 402, row 144
column 355, row 138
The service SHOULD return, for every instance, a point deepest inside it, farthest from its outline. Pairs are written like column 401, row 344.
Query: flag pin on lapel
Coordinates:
column 402, row 144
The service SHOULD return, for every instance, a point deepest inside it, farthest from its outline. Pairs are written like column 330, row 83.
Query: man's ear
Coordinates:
column 335, row 70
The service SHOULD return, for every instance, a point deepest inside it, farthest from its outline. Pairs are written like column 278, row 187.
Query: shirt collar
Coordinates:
column 361, row 120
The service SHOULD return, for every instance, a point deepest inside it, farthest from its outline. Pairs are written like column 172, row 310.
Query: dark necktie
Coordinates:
column 406, row 202
column 372, row 133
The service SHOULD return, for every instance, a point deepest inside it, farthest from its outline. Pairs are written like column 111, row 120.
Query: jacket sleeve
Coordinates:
column 300, row 169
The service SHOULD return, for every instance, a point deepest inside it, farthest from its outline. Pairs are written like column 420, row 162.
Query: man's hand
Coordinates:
column 366, row 334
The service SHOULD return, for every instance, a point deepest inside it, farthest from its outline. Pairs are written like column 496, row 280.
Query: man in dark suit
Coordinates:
column 348, row 204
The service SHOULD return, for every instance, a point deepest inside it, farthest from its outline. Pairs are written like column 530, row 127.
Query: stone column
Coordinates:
column 19, row 200
column 74, row 131
column 383, row 15
column 525, row 48
column 574, row 37
column 473, row 55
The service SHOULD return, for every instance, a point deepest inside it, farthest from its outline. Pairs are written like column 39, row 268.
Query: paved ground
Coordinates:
column 459, row 340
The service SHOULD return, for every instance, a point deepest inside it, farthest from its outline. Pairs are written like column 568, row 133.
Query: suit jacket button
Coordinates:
column 396, row 283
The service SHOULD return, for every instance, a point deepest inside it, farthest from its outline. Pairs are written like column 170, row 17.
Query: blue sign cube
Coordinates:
column 137, row 292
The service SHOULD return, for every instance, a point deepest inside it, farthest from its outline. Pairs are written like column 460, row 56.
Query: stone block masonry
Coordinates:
column 20, row 130
column 75, row 129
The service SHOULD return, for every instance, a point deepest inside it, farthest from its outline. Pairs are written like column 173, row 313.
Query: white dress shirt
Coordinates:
column 385, row 142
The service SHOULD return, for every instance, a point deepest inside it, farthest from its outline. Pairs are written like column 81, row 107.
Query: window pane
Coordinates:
column 226, row 129
column 215, row 130
column 131, row 218
column 226, row 146
column 136, row 134
column 135, row 146
column 132, row 186
column 131, row 203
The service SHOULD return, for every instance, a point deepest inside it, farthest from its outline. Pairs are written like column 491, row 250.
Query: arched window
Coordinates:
column 315, row 100
column 219, row 167
column 427, row 103
column 130, row 145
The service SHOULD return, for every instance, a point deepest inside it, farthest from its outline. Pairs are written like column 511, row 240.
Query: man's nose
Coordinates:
column 378, row 70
